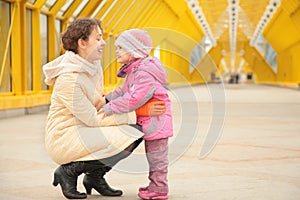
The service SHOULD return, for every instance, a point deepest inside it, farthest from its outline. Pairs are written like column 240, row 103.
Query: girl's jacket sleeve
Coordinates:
column 115, row 94
column 139, row 93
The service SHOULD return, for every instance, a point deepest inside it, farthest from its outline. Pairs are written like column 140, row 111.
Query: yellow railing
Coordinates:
column 7, row 43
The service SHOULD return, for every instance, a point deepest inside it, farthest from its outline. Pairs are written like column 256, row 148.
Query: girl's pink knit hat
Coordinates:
column 137, row 42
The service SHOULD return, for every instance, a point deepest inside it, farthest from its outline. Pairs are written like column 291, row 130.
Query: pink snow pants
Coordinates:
column 157, row 156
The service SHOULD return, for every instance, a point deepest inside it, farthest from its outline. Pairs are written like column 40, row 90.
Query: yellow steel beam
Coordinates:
column 139, row 14
column 106, row 62
column 128, row 16
column 208, row 65
column 18, row 51
column 8, row 42
column 286, row 43
column 215, row 54
column 184, row 22
column 51, row 37
column 188, row 25
column 199, row 76
column 263, row 72
column 295, row 15
column 153, row 17
column 111, row 13
column 38, row 4
column 105, row 7
column 290, row 6
column 178, row 7
column 119, row 14
column 288, row 61
column 71, row 9
column 146, row 14
column 24, row 101
column 89, row 8
column 57, row 6
column 113, row 62
column 170, row 15
column 109, row 63
column 175, row 62
column 279, row 39
column 36, row 54
column 20, row 98
column 165, row 57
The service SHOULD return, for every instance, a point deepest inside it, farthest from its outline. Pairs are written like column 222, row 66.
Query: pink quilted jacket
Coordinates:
column 145, row 78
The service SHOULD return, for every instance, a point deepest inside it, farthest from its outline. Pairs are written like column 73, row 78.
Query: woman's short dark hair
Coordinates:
column 79, row 28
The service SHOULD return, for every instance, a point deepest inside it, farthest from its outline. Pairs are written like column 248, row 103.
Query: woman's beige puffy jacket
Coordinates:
column 77, row 128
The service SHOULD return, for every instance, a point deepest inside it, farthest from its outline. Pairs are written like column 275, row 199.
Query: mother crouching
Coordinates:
column 79, row 137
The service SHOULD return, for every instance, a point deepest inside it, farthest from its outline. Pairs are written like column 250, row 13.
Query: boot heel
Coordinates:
column 88, row 189
column 100, row 185
column 66, row 177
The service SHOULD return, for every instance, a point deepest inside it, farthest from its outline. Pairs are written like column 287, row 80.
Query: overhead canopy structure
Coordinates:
column 193, row 38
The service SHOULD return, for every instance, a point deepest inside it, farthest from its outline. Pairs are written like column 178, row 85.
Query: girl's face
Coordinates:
column 92, row 49
column 123, row 57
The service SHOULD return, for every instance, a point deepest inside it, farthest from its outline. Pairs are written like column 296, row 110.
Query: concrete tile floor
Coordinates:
column 256, row 156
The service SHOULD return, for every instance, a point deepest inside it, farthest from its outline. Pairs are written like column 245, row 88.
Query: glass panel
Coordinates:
column 44, row 46
column 58, row 36
column 48, row 5
column 5, row 84
column 29, row 74
column 199, row 51
column 271, row 56
column 266, row 50
column 157, row 52
column 196, row 56
column 65, row 7
column 259, row 44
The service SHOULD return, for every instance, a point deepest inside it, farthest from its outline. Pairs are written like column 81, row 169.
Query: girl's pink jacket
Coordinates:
column 145, row 78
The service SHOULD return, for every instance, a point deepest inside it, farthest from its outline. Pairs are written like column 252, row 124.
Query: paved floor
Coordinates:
column 242, row 142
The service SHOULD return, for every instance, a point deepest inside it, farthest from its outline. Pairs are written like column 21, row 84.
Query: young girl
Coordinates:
column 145, row 77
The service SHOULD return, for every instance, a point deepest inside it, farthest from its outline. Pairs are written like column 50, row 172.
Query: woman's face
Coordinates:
column 123, row 57
column 92, row 49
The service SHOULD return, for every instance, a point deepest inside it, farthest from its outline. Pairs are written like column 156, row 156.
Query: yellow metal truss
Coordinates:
column 175, row 32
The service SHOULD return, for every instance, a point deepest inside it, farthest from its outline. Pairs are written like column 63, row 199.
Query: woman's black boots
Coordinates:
column 95, row 180
column 66, row 175
column 95, row 171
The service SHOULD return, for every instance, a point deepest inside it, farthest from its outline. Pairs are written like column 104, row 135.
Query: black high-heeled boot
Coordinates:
column 95, row 180
column 66, row 176
column 95, row 171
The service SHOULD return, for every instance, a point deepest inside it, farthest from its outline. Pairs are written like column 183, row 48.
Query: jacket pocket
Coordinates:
column 148, row 124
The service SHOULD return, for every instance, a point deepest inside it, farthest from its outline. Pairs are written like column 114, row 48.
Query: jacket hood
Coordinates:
column 154, row 67
column 68, row 63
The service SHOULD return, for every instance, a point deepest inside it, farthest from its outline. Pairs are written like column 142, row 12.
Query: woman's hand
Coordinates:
column 157, row 108
column 101, row 111
column 152, row 108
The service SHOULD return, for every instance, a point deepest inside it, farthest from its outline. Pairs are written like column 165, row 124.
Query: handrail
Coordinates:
column 8, row 41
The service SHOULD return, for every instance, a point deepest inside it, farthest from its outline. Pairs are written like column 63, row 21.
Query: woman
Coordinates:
column 79, row 136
